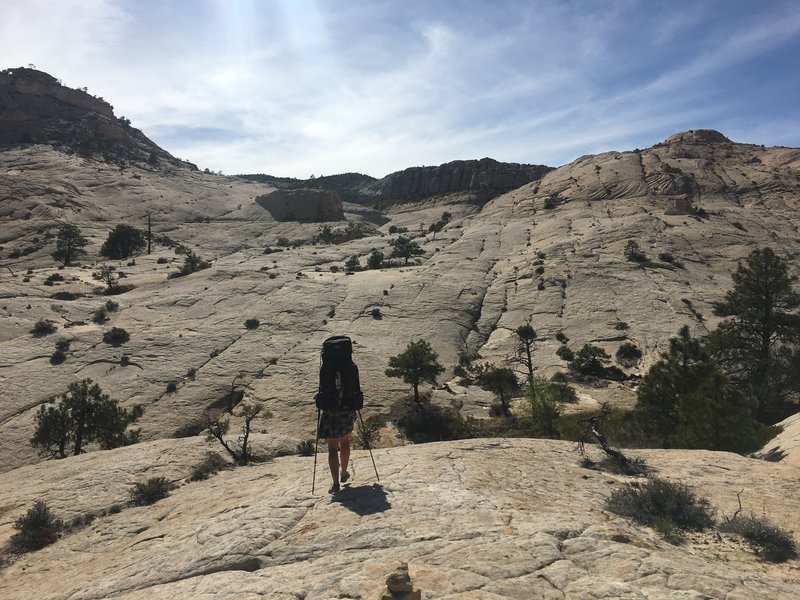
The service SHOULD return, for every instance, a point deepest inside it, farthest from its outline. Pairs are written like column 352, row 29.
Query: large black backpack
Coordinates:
column 339, row 386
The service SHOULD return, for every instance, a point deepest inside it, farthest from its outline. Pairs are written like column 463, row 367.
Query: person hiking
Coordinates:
column 336, row 427
column 338, row 399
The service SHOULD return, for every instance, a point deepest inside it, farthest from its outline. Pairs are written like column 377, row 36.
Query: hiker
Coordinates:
column 336, row 427
column 338, row 399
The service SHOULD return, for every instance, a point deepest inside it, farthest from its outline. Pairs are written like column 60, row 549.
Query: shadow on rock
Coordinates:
column 363, row 500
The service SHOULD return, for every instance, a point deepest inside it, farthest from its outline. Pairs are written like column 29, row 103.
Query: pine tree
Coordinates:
column 758, row 345
column 417, row 364
column 680, row 370
column 687, row 402
column 69, row 243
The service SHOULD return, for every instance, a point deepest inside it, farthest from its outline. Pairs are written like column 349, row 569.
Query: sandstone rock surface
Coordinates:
column 491, row 518
column 491, row 269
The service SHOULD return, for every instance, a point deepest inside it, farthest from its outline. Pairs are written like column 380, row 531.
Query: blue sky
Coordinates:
column 301, row 87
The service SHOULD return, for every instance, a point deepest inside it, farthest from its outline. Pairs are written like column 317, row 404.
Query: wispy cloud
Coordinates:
column 294, row 87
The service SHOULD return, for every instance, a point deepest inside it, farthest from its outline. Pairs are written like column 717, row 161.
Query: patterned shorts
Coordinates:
column 334, row 424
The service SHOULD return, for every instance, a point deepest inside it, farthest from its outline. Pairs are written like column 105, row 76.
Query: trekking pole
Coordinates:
column 369, row 446
column 316, row 443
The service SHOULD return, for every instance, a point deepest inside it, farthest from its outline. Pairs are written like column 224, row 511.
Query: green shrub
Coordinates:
column 43, row 327
column 191, row 373
column 592, row 361
column 35, row 529
column 100, row 315
column 352, row 264
column 666, row 257
column 55, row 277
column 116, row 336
column 64, row 296
column 172, row 387
column 305, row 447
column 252, row 323
column 58, row 357
column 376, row 314
column 112, row 306
column 564, row 353
column 375, row 259
column 162, row 260
column 429, row 423
column 663, row 504
column 211, row 464
column 628, row 355
column 769, row 541
column 150, row 491
column 561, row 337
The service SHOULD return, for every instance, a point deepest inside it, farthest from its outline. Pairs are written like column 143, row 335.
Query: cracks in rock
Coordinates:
column 150, row 539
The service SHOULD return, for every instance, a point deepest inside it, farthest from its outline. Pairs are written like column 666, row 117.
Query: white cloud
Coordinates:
column 293, row 87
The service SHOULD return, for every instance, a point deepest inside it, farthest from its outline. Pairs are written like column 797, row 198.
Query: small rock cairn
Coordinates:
column 399, row 586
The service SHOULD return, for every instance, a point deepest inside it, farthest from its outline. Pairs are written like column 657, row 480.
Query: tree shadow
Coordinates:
column 363, row 500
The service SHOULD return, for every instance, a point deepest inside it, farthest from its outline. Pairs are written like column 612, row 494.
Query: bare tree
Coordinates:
column 241, row 451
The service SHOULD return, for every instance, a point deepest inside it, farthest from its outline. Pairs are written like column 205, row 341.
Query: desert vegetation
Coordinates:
column 70, row 244
column 80, row 416
column 123, row 241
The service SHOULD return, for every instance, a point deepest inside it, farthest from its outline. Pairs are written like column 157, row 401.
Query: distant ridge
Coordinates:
column 484, row 179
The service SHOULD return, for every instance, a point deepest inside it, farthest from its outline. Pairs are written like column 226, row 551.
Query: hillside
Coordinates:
column 476, row 282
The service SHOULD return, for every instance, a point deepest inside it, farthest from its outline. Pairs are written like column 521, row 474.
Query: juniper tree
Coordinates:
column 375, row 260
column 405, row 248
column 123, row 241
column 82, row 415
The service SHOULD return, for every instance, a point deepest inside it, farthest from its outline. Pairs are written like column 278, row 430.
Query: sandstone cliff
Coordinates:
column 477, row 180
column 483, row 178
column 303, row 205
column 36, row 108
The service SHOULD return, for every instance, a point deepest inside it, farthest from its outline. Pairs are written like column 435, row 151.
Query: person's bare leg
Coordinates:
column 345, row 451
column 333, row 459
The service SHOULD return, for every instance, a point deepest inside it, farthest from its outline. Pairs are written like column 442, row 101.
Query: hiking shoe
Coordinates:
column 334, row 488
column 345, row 476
